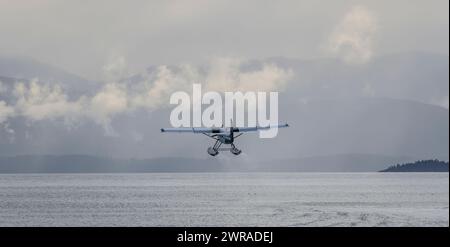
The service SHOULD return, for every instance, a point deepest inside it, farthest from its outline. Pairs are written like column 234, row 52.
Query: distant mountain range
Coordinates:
column 420, row 166
column 23, row 69
column 343, row 118
column 94, row 164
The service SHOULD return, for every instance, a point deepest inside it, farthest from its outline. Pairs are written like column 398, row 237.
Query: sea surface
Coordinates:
column 225, row 199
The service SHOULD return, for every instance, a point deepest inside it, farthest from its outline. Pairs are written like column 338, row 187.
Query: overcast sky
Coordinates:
column 82, row 36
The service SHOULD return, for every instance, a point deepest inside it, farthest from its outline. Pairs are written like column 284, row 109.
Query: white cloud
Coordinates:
column 5, row 111
column 40, row 101
column 222, row 74
column 154, row 90
column 110, row 101
column 353, row 37
column 225, row 74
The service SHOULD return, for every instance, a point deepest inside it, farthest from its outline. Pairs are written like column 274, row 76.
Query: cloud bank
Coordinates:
column 353, row 37
column 37, row 100
column 5, row 111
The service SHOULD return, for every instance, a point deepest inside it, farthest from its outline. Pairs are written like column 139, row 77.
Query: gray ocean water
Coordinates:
column 225, row 199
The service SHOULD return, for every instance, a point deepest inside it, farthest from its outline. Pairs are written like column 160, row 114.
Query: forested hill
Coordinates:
column 420, row 166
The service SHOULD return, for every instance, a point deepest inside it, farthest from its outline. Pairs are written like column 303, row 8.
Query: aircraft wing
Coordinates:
column 192, row 130
column 256, row 128
column 220, row 131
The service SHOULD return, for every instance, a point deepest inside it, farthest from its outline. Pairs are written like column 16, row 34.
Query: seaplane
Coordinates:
column 223, row 135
